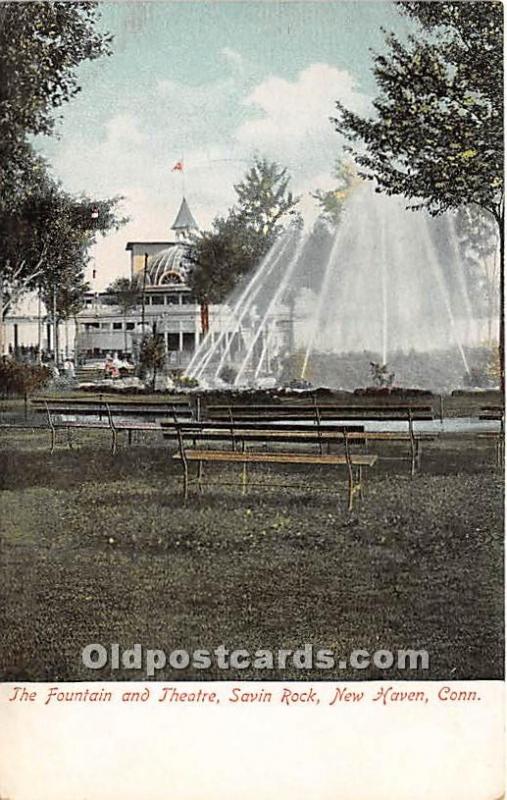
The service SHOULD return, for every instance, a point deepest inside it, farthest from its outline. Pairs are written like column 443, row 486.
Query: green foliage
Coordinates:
column 332, row 202
column 126, row 293
column 44, row 243
column 237, row 242
column 21, row 379
column 152, row 354
column 45, row 232
column 380, row 375
column 41, row 46
column 437, row 134
column 228, row 374
column 264, row 198
column 182, row 381
column 476, row 232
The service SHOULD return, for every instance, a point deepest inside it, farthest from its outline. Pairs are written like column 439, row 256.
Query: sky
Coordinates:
column 213, row 83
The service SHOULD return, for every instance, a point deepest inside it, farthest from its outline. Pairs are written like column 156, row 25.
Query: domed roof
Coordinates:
column 169, row 266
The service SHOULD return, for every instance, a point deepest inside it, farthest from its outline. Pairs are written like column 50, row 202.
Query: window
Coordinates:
column 118, row 326
column 105, row 326
column 90, row 326
column 157, row 300
column 147, row 300
column 173, row 299
column 131, row 326
column 187, row 299
column 188, row 341
column 173, row 342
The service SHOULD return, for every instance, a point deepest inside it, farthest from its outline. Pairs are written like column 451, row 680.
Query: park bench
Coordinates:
column 201, row 434
column 495, row 414
column 101, row 414
column 323, row 414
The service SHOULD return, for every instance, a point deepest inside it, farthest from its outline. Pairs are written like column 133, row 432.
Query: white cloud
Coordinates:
column 295, row 114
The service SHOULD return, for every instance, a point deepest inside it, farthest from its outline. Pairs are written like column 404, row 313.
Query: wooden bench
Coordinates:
column 354, row 463
column 104, row 415
column 319, row 413
column 495, row 414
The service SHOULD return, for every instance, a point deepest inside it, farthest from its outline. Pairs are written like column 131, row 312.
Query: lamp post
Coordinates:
column 143, row 307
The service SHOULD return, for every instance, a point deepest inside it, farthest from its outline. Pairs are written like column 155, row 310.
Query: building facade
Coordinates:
column 167, row 307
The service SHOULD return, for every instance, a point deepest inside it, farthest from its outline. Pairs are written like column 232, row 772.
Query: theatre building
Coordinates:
column 163, row 269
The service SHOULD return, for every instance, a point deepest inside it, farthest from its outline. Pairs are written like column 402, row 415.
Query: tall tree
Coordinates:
column 44, row 232
column 45, row 242
column 41, row 46
column 437, row 133
column 237, row 242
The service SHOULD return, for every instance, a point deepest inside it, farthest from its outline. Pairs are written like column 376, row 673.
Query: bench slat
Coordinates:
column 276, row 458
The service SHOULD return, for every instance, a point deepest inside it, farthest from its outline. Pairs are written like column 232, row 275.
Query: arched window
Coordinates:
column 170, row 277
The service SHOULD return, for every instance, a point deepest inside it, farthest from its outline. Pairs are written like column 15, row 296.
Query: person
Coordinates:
column 68, row 368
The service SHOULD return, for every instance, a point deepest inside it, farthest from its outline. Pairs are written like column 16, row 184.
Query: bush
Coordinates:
column 182, row 381
column 228, row 375
column 22, row 379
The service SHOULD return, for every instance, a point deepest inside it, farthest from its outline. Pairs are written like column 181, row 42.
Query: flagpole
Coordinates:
column 183, row 176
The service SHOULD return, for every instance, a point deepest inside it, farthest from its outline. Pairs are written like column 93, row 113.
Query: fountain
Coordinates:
column 386, row 285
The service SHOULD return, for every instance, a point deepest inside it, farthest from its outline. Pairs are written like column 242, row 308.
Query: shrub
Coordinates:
column 185, row 381
column 22, row 379
column 228, row 375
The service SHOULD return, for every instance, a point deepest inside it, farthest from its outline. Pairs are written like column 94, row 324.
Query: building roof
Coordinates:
column 168, row 266
column 131, row 245
column 184, row 219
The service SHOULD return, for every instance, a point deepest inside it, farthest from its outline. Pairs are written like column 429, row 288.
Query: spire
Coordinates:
column 184, row 221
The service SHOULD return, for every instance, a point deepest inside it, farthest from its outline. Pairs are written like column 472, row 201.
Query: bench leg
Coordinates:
column 200, row 473
column 129, row 432
column 53, row 442
column 113, row 442
column 499, row 451
column 185, row 480
column 413, row 459
column 244, row 478
column 355, row 486
column 351, row 494
column 69, row 438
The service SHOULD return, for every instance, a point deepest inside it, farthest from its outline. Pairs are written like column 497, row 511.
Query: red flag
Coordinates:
column 178, row 167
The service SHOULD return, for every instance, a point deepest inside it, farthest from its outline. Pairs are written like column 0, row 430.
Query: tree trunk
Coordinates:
column 204, row 317
column 501, row 338
column 2, row 324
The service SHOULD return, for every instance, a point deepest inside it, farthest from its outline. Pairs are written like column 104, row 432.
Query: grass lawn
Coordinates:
column 100, row 549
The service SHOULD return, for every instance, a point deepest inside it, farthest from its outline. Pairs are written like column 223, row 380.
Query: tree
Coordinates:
column 41, row 227
column 41, row 46
column 126, row 293
column 437, row 133
column 152, row 354
column 476, row 232
column 332, row 202
column 237, row 242
column 44, row 244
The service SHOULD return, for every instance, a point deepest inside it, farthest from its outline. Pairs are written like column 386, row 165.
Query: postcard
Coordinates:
column 252, row 374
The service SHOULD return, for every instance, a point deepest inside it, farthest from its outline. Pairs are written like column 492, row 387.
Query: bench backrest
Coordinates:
column 180, row 408
column 327, row 411
column 493, row 414
column 239, row 435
